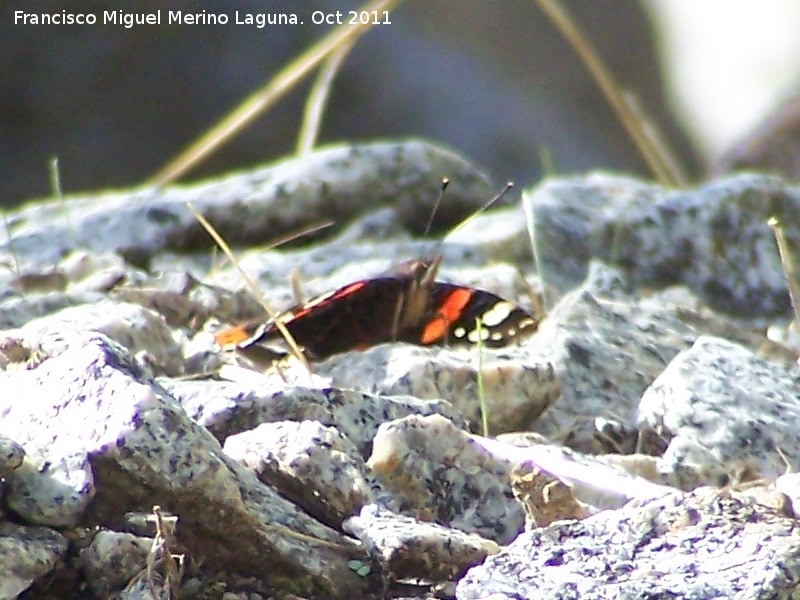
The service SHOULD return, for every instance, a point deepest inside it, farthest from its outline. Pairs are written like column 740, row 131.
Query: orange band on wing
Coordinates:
column 231, row 336
column 448, row 313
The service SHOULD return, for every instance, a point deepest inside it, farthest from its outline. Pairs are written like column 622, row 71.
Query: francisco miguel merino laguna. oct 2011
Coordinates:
column 173, row 17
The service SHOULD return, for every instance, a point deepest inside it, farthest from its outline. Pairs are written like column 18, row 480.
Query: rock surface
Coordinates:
column 725, row 413
column 702, row 545
column 28, row 554
column 136, row 456
column 252, row 207
column 714, row 239
column 315, row 466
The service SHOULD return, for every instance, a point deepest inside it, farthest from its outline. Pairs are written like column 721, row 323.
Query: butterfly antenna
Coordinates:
column 445, row 183
column 486, row 206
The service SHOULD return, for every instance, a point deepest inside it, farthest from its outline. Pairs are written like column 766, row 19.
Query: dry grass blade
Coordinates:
column 250, row 285
column 654, row 154
column 318, row 98
column 163, row 566
column 57, row 191
column 530, row 224
column 264, row 98
column 55, row 178
column 788, row 265
column 289, row 237
column 481, row 390
column 294, row 235
column 16, row 266
column 655, row 138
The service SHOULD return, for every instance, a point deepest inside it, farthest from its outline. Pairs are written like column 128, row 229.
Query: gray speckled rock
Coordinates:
column 56, row 489
column 594, row 481
column 707, row 545
column 726, row 413
column 112, row 559
column 315, row 466
column 228, row 408
column 139, row 448
column 251, row 206
column 26, row 555
column 143, row 332
column 605, row 281
column 144, row 587
column 434, row 470
column 15, row 311
column 407, row 547
column 715, row 239
column 93, row 278
column 11, row 455
column 789, row 485
column 518, row 386
column 605, row 355
column 184, row 301
column 576, row 220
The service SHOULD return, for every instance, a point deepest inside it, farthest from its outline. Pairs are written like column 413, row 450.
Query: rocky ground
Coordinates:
column 643, row 442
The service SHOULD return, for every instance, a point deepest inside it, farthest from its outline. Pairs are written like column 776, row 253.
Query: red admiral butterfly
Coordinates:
column 407, row 304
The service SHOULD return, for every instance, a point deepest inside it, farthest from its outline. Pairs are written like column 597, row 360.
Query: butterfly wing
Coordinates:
column 456, row 310
column 352, row 317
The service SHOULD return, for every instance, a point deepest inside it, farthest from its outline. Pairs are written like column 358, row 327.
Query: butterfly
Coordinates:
column 405, row 304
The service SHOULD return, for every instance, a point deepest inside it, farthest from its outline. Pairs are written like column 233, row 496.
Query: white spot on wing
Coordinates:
column 497, row 314
column 473, row 335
